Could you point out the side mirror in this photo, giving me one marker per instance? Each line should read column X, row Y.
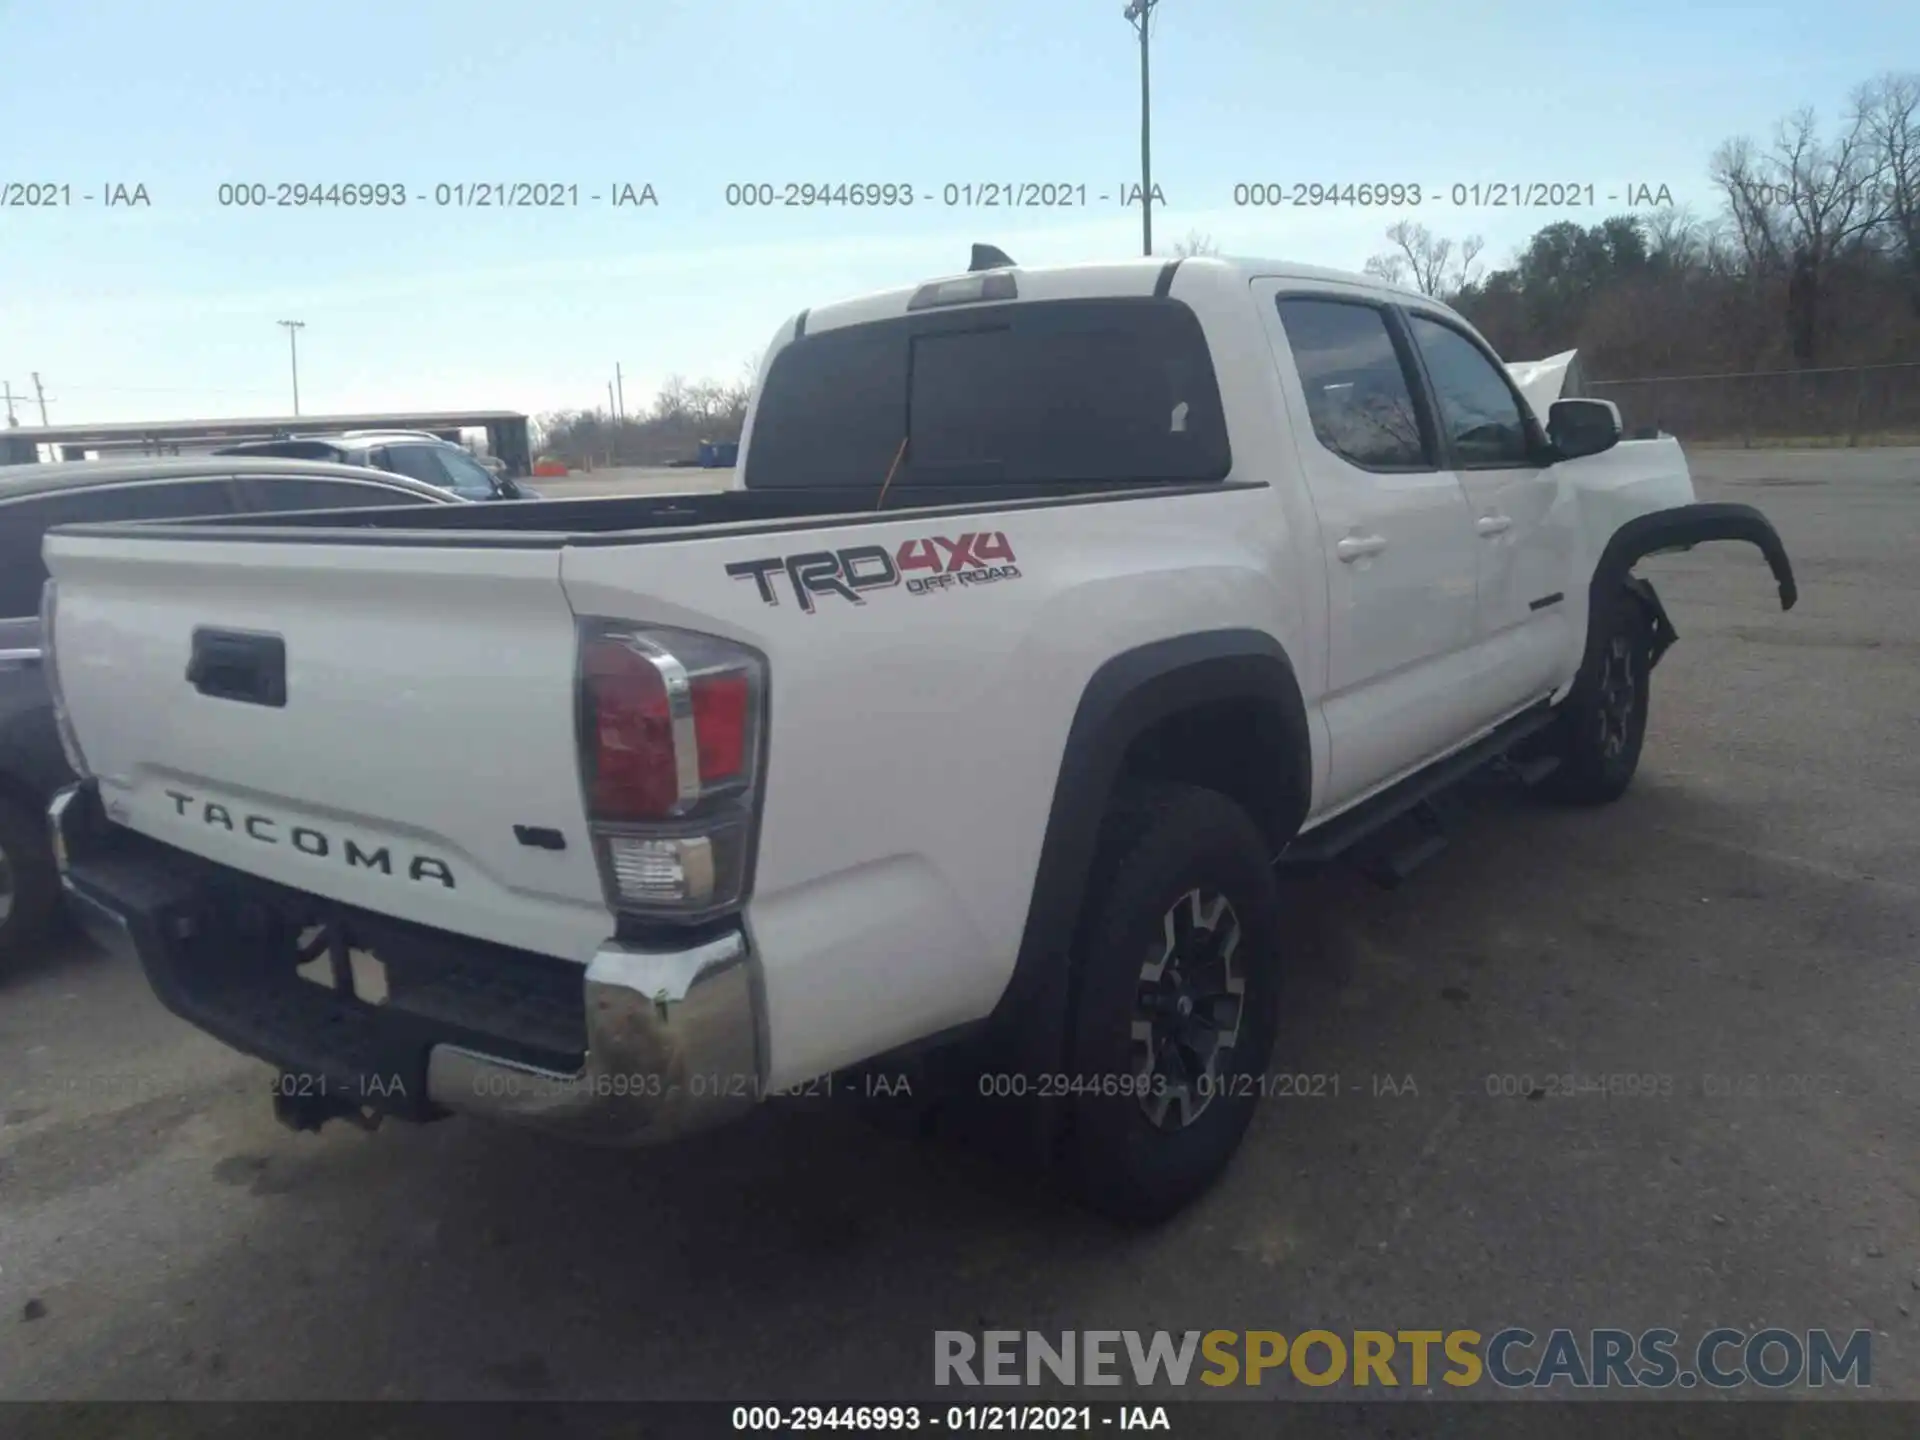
column 1583, row 427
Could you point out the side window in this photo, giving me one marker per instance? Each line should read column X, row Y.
column 1357, row 389
column 417, row 462
column 286, row 492
column 1478, row 409
column 470, row 479
column 24, row 524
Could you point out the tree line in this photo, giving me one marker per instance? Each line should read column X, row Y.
column 1812, row 261
column 683, row 414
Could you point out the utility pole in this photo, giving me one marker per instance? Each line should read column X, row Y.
column 620, row 388
column 12, row 422
column 1140, row 12
column 294, row 327
column 40, row 394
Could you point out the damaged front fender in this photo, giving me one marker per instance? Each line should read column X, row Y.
column 1681, row 528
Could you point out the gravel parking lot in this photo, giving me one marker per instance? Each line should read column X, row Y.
column 1749, row 910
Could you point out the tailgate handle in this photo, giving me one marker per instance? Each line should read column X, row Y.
column 239, row 665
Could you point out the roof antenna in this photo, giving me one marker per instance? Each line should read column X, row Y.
column 990, row 257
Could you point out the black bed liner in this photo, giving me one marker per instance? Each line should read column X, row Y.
column 634, row 519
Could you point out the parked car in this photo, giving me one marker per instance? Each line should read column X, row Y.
column 35, row 497
column 414, row 453
column 1051, row 611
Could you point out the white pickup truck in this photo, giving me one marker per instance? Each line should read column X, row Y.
column 1056, row 613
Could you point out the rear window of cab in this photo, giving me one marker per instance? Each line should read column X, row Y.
column 1101, row 393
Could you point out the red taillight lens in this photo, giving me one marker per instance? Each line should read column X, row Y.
column 670, row 737
column 720, row 714
column 634, row 775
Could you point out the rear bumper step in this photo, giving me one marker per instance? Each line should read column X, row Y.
column 643, row 1045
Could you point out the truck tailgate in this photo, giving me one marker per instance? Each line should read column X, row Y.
column 427, row 722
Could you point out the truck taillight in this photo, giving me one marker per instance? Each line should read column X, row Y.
column 62, row 722
column 670, row 725
column 721, row 714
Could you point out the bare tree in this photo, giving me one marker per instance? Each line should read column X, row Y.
column 1427, row 263
column 1889, row 108
column 674, row 399
column 1676, row 239
column 1467, row 271
column 1196, row 243
column 1800, row 209
column 1386, row 266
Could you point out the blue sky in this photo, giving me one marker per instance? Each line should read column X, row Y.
column 168, row 311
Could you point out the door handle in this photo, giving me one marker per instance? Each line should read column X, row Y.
column 1356, row 546
column 1493, row 524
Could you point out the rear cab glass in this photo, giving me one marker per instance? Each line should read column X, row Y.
column 1100, row 393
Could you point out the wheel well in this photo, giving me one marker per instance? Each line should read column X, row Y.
column 1241, row 747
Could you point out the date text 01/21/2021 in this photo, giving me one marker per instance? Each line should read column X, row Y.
column 368, row 1088
column 953, row 195
column 445, row 195
column 712, row 1085
column 1013, row 1085
column 1490, row 195
column 960, row 1418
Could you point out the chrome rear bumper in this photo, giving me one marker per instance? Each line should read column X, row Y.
column 672, row 1047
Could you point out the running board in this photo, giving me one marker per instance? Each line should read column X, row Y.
column 1391, row 867
column 1329, row 841
column 1531, row 772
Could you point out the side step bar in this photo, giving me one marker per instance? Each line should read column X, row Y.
column 1391, row 867
column 1330, row 841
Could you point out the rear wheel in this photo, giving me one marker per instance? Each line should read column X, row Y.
column 1604, row 722
column 1178, row 1001
column 29, row 883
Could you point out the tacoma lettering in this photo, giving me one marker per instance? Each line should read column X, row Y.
column 309, row 841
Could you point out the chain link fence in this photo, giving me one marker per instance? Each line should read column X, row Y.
column 1852, row 405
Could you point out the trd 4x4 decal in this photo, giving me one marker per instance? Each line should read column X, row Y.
column 924, row 567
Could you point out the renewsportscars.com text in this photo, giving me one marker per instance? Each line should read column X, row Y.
column 1512, row 1358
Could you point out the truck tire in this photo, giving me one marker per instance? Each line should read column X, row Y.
column 29, row 883
column 1177, row 1001
column 1603, row 723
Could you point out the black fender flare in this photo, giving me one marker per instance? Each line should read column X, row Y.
column 1125, row 697
column 1680, row 527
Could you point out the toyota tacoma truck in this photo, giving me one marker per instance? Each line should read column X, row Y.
column 1054, row 617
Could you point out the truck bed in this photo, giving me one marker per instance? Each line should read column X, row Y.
column 619, row 518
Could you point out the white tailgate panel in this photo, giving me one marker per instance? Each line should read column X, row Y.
column 429, row 711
